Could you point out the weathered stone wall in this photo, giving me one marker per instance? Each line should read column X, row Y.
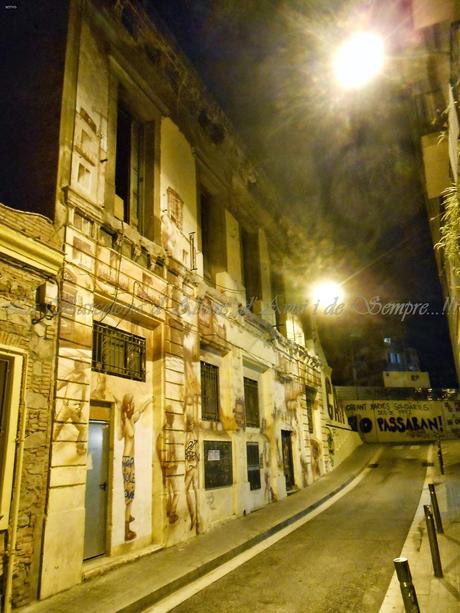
column 17, row 309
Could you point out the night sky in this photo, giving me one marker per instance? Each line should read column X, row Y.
column 344, row 163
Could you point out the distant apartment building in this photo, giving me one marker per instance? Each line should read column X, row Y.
column 379, row 360
column 156, row 391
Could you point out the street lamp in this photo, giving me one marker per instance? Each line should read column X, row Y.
column 359, row 59
column 326, row 293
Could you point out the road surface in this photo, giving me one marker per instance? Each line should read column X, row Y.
column 340, row 561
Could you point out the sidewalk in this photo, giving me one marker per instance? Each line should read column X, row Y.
column 434, row 594
column 139, row 584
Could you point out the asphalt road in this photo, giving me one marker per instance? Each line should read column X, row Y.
column 340, row 561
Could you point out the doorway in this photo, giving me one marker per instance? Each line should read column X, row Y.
column 287, row 459
column 97, row 478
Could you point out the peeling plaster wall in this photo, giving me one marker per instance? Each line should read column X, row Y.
column 177, row 174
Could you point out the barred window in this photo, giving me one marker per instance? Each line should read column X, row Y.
column 251, row 402
column 209, row 391
column 119, row 353
column 252, row 454
column 310, row 394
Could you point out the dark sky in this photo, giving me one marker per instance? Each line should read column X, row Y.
column 344, row 163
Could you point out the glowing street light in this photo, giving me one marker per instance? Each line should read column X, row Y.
column 326, row 293
column 359, row 59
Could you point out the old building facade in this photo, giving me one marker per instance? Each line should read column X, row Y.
column 183, row 391
column 434, row 76
column 30, row 262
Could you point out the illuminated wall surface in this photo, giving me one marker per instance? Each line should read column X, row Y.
column 162, row 404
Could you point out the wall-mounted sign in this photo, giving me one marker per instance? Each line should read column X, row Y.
column 213, row 455
column 403, row 420
column 217, row 464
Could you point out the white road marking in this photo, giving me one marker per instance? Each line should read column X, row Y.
column 186, row 592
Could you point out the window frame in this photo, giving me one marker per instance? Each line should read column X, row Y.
column 253, row 467
column 139, row 157
column 9, row 423
column 129, row 340
column 143, row 108
column 249, row 384
column 207, row 415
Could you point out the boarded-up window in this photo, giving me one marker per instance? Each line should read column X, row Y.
column 209, row 391
column 252, row 453
column 217, row 464
column 251, row 402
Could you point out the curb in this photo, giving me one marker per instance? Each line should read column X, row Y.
column 140, row 605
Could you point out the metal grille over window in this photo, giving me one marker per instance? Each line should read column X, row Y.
column 310, row 394
column 209, row 391
column 252, row 452
column 251, row 402
column 118, row 353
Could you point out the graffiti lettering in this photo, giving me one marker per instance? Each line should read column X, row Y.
column 401, row 424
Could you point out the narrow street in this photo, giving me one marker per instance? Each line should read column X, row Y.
column 339, row 561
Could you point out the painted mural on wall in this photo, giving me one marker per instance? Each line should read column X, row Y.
column 192, row 396
column 191, row 365
column 169, row 462
column 387, row 421
column 292, row 391
column 316, row 453
column 132, row 446
column 192, row 459
column 129, row 416
column 73, row 390
column 239, row 413
column 330, row 444
column 209, row 322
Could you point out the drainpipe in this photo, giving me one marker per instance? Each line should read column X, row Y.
column 11, row 548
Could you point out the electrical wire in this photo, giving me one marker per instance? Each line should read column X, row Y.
column 176, row 315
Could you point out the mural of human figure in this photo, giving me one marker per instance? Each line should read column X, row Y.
column 192, row 458
column 315, row 446
column 75, row 396
column 129, row 416
column 166, row 447
column 192, row 386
